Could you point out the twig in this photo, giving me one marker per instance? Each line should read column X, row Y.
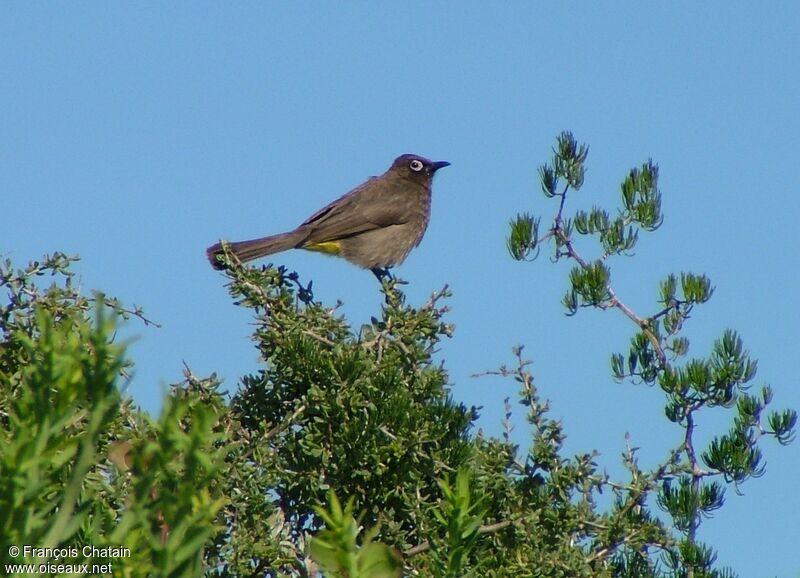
column 285, row 423
column 614, row 300
column 486, row 529
column 319, row 338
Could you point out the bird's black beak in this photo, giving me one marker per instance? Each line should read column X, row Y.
column 435, row 166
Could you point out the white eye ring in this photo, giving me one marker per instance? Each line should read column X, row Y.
column 416, row 165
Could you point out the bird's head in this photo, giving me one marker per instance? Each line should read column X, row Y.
column 416, row 168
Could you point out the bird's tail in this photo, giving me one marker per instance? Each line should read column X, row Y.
column 249, row 250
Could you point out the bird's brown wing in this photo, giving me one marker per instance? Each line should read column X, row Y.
column 376, row 203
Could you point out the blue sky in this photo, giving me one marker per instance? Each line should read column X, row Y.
column 137, row 134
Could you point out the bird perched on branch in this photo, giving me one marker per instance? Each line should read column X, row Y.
column 374, row 226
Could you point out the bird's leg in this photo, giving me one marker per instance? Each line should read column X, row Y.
column 381, row 273
column 387, row 281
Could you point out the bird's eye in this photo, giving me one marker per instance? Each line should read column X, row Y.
column 416, row 165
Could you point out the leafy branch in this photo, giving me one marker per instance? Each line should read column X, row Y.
column 687, row 490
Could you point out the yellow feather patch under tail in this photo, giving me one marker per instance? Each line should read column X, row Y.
column 329, row 247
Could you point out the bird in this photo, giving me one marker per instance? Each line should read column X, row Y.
column 374, row 226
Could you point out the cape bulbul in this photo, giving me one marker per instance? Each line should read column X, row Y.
column 374, row 226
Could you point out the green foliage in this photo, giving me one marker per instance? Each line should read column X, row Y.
column 170, row 485
column 64, row 399
column 337, row 553
column 364, row 413
column 461, row 515
column 524, row 236
column 78, row 467
column 688, row 483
